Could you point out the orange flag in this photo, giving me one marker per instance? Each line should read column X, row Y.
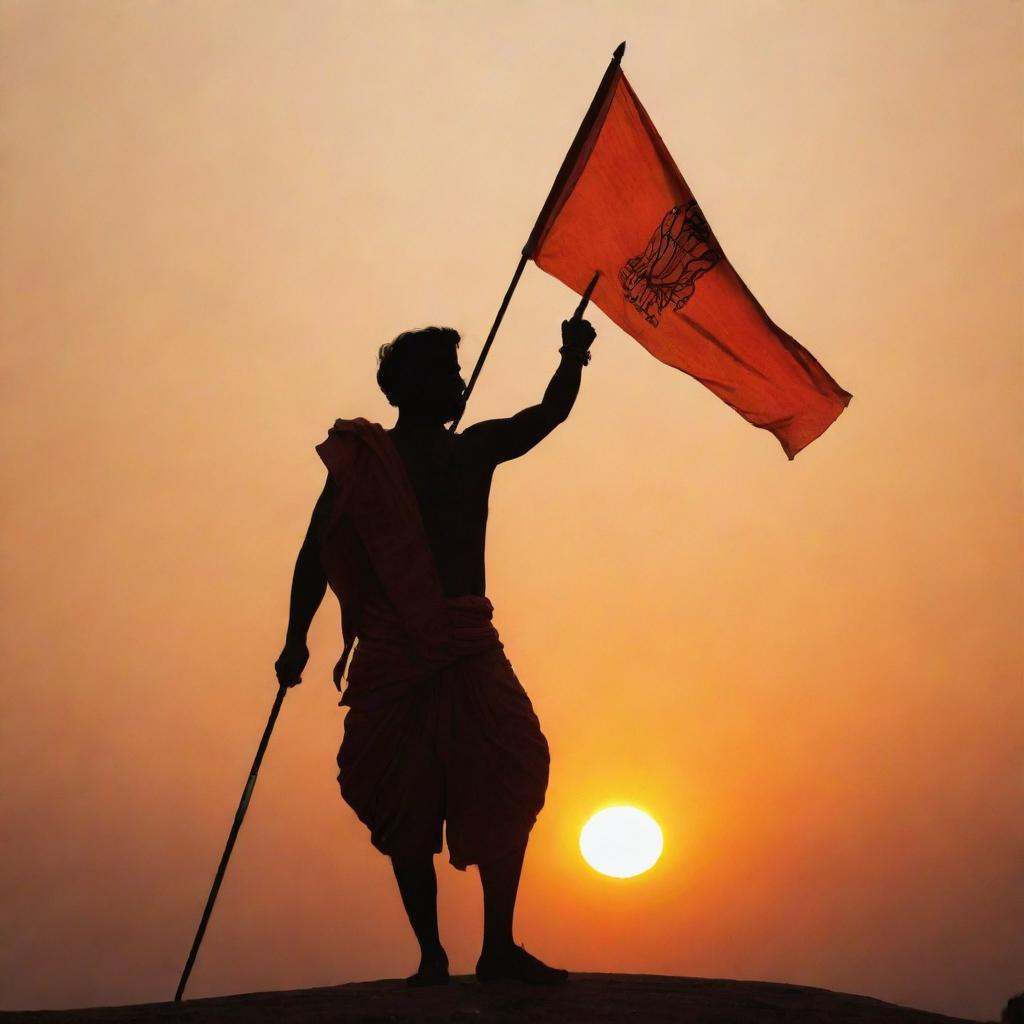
column 620, row 206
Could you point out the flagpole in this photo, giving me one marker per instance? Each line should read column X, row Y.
column 569, row 163
column 490, row 337
column 547, row 211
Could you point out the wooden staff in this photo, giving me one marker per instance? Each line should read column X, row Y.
column 232, row 836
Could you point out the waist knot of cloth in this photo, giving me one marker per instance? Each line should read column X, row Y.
column 386, row 662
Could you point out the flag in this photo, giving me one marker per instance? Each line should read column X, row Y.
column 620, row 206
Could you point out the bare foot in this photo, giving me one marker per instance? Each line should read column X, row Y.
column 515, row 964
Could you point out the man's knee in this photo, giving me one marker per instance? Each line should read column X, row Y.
column 410, row 860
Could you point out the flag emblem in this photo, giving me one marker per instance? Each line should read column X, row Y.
column 680, row 251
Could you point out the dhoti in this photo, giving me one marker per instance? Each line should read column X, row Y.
column 456, row 741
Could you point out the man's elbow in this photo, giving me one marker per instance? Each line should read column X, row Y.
column 555, row 413
column 309, row 552
column 560, row 414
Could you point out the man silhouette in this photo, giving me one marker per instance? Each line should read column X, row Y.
column 438, row 728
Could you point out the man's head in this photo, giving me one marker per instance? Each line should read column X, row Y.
column 419, row 373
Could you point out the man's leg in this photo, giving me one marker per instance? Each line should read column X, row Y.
column 501, row 959
column 500, row 881
column 418, row 885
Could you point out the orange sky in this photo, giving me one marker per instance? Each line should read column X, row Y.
column 211, row 215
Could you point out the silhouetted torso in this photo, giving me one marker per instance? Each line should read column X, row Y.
column 451, row 475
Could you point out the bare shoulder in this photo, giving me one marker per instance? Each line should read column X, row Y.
column 501, row 440
column 483, row 430
column 479, row 438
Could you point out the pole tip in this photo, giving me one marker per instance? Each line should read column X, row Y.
column 619, row 51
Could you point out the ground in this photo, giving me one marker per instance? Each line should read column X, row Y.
column 586, row 999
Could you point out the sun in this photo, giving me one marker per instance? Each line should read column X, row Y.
column 621, row 842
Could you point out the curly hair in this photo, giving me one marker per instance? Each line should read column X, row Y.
column 400, row 360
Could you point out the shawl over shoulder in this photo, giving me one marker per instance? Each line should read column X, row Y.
column 375, row 525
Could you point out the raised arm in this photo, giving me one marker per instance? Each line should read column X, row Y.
column 504, row 439
column 309, row 584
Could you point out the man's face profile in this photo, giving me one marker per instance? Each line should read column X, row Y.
column 434, row 387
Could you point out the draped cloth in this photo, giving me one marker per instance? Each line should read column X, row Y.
column 439, row 729
column 374, row 538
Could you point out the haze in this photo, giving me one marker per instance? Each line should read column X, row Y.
column 809, row 672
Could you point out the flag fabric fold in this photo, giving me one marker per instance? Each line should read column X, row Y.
column 621, row 206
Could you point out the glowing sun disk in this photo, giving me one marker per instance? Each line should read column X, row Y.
column 621, row 842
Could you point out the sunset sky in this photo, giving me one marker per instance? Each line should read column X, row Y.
column 212, row 213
